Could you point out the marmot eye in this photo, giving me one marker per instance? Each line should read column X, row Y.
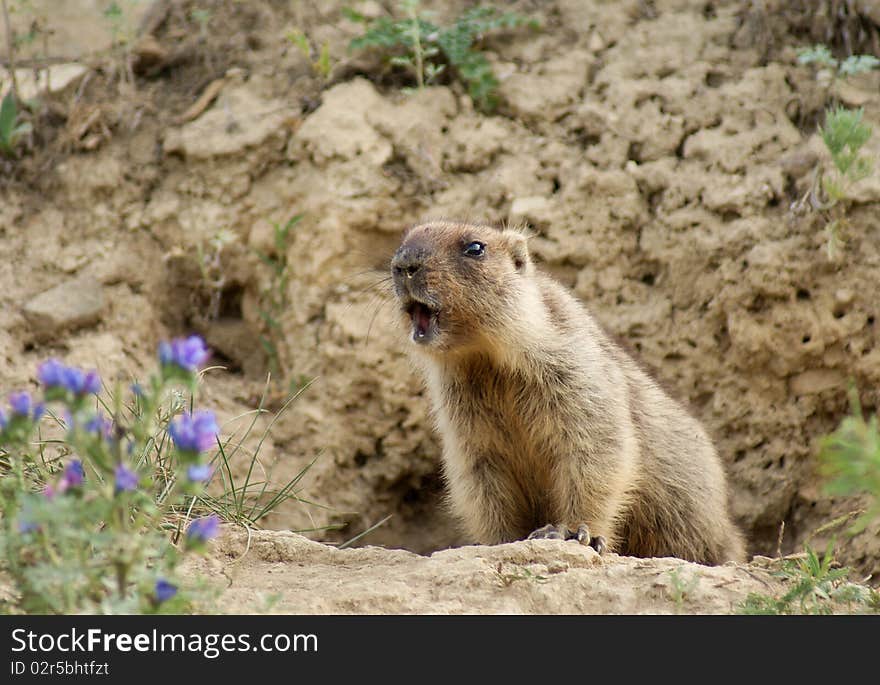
column 475, row 249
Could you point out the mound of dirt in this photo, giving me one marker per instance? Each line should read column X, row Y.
column 285, row 573
column 654, row 149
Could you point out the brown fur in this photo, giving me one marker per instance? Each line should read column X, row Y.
column 544, row 419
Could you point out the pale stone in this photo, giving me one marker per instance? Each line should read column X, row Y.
column 70, row 305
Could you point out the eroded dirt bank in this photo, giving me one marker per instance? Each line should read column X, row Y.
column 281, row 572
column 653, row 148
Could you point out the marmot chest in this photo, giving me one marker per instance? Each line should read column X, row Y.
column 507, row 418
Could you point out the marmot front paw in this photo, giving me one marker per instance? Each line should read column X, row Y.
column 563, row 532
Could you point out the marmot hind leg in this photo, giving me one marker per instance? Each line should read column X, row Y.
column 562, row 532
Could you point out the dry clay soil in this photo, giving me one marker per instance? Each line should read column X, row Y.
column 654, row 150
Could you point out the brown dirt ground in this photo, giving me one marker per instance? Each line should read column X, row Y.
column 654, row 148
column 285, row 573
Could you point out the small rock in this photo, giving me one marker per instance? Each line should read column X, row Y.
column 610, row 279
column 148, row 54
column 239, row 119
column 371, row 9
column 74, row 304
column 524, row 209
column 843, row 296
column 596, row 42
column 855, row 94
column 558, row 80
column 339, row 128
column 815, row 381
column 799, row 163
column 52, row 79
column 262, row 238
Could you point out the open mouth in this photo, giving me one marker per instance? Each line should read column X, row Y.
column 424, row 321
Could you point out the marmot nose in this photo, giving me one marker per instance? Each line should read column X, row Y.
column 407, row 262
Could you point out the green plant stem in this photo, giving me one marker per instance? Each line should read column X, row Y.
column 10, row 52
column 417, row 43
column 121, row 578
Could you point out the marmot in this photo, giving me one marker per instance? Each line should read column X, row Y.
column 549, row 428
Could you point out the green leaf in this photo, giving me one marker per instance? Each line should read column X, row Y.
column 201, row 16
column 858, row 64
column 113, row 12
column 832, row 189
column 298, row 38
column 353, row 15
column 282, row 233
column 455, row 41
column 8, row 115
column 844, row 135
column 850, row 458
column 861, row 168
column 323, row 64
column 432, row 71
column 818, row 54
column 834, row 241
column 292, row 221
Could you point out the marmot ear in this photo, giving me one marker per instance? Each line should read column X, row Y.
column 519, row 250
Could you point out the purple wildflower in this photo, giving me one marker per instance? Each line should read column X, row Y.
column 166, row 353
column 53, row 374
column 126, row 479
column 50, row 373
column 199, row 473
column 194, row 433
column 99, row 424
column 73, row 476
column 20, row 403
column 187, row 353
column 25, row 526
column 91, row 384
column 203, row 529
column 75, row 473
column 22, row 407
column 164, row 590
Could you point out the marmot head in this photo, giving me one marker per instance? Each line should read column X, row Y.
column 458, row 284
